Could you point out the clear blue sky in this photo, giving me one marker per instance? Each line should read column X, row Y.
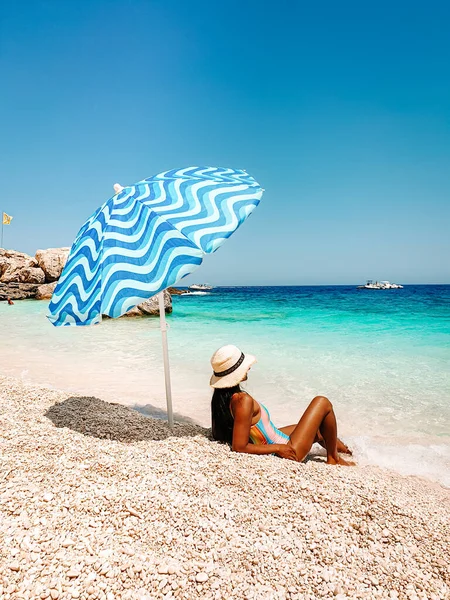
column 341, row 110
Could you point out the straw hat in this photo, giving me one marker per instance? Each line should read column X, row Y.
column 230, row 366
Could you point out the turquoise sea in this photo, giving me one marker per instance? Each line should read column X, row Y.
column 382, row 357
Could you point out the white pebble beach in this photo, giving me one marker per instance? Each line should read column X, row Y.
column 100, row 502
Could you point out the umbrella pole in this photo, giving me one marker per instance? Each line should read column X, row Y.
column 162, row 320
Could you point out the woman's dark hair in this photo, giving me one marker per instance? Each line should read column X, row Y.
column 221, row 417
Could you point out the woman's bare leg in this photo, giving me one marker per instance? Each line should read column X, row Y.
column 319, row 416
column 341, row 447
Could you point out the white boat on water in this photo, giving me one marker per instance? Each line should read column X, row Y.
column 200, row 287
column 380, row 285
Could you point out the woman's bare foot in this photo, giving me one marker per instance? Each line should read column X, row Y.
column 340, row 461
column 341, row 447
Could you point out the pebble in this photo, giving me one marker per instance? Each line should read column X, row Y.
column 325, row 575
column 163, row 583
column 201, row 577
column 73, row 573
column 163, row 569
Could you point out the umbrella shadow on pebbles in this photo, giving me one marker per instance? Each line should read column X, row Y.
column 97, row 418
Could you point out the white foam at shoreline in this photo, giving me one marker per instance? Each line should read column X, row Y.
column 431, row 462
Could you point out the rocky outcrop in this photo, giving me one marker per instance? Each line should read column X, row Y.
column 52, row 262
column 18, row 291
column 151, row 306
column 133, row 312
column 23, row 276
column 31, row 275
column 44, row 292
column 18, row 267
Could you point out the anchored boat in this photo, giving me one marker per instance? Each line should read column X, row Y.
column 380, row 285
column 200, row 287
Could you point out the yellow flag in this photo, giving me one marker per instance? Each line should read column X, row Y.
column 7, row 219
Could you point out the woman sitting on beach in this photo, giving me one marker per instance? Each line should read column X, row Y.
column 239, row 420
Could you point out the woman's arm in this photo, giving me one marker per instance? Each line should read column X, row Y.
column 242, row 408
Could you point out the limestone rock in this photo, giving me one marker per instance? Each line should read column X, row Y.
column 31, row 275
column 175, row 291
column 44, row 292
column 18, row 291
column 12, row 263
column 133, row 312
column 151, row 306
column 52, row 262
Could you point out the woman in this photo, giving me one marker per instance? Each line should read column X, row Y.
column 239, row 420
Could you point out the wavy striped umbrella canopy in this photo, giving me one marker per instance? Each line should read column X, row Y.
column 147, row 237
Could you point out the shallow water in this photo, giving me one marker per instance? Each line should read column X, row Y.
column 382, row 357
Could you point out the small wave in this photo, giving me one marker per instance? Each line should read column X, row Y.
column 197, row 294
column 429, row 461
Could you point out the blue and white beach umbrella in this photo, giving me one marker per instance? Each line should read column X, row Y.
column 146, row 238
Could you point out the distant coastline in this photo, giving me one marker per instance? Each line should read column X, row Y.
column 219, row 285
